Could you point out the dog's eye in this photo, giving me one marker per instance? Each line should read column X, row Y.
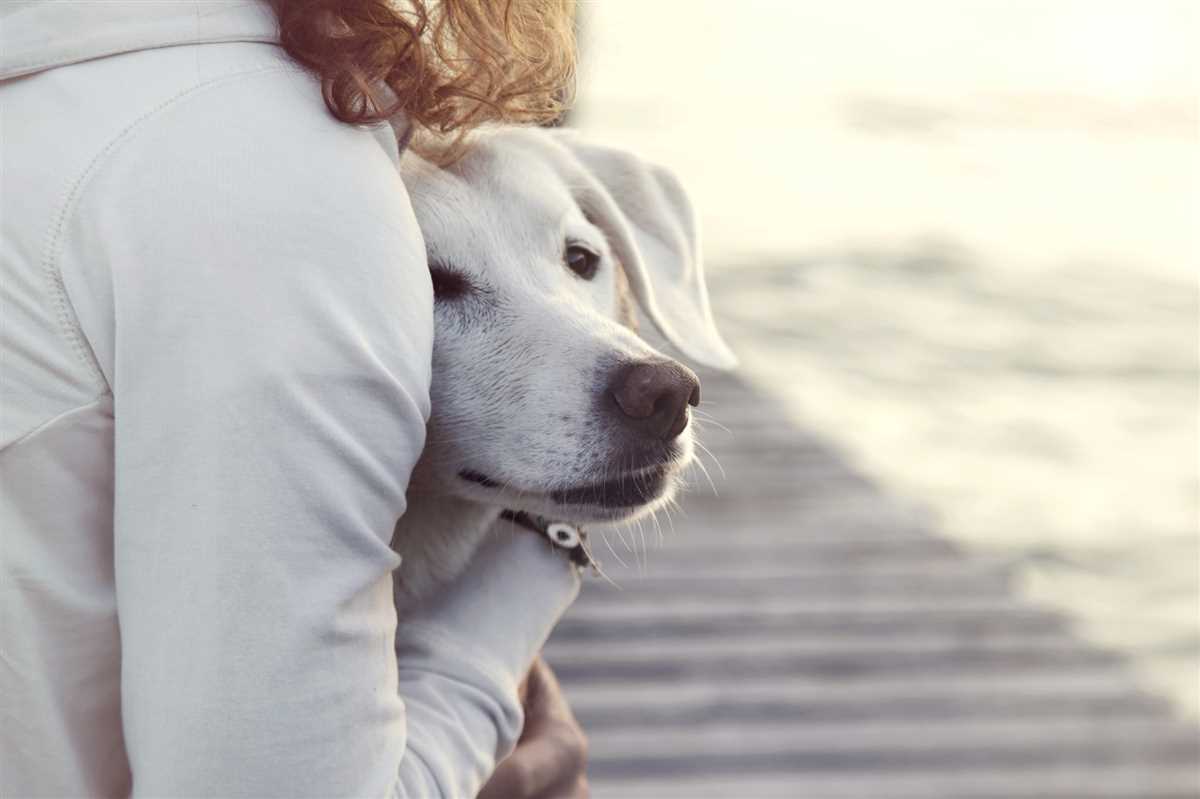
column 581, row 261
column 448, row 284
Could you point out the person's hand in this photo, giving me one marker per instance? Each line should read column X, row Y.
column 550, row 759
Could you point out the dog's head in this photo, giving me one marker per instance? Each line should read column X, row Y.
column 544, row 397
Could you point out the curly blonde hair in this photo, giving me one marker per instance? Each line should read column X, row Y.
column 447, row 66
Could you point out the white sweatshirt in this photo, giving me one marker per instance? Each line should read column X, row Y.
column 216, row 324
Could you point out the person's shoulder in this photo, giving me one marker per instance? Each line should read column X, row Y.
column 239, row 214
column 245, row 125
column 246, row 191
column 256, row 147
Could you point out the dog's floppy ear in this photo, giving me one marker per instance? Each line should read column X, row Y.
column 651, row 227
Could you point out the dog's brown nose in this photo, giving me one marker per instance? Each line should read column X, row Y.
column 653, row 397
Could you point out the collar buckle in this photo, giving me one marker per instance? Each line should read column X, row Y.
column 568, row 537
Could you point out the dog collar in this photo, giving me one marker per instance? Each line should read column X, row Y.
column 568, row 537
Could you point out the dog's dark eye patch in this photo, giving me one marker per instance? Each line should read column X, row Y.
column 448, row 283
column 581, row 260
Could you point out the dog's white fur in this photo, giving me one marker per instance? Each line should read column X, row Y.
column 521, row 359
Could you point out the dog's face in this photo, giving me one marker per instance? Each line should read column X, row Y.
column 544, row 399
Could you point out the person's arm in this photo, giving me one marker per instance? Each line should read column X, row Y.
column 465, row 632
column 269, row 357
column 551, row 757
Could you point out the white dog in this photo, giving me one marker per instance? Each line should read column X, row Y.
column 544, row 399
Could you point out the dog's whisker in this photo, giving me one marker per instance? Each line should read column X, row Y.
column 706, row 420
column 700, row 464
column 627, row 527
column 657, row 526
column 608, row 544
column 620, row 535
column 639, row 484
column 642, row 535
column 667, row 508
column 710, row 454
column 601, row 573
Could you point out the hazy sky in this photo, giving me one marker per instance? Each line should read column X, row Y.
column 1034, row 131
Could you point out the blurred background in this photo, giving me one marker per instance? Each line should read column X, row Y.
column 955, row 243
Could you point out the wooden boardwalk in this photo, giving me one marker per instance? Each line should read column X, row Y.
column 801, row 635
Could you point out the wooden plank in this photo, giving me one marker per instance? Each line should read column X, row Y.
column 639, row 620
column 1042, row 782
column 878, row 742
column 1093, row 691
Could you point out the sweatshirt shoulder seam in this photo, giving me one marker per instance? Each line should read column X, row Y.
column 55, row 233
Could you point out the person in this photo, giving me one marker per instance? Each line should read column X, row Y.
column 216, row 364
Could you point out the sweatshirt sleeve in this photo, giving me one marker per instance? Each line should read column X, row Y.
column 268, row 348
